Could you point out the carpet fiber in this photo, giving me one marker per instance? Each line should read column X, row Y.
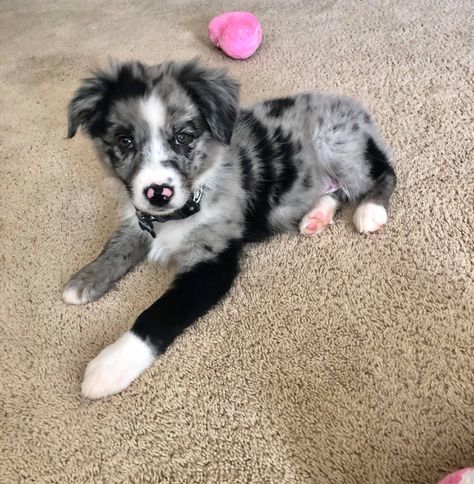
column 342, row 359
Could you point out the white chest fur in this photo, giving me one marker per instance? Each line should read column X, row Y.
column 170, row 237
column 178, row 236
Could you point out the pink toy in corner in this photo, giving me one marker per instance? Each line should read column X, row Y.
column 237, row 34
column 462, row 476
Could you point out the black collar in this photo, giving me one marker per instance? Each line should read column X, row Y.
column 192, row 206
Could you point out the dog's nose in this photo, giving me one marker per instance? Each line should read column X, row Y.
column 158, row 195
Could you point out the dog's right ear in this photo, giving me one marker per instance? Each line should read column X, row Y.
column 90, row 103
column 84, row 107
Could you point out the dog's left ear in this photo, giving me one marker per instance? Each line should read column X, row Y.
column 215, row 94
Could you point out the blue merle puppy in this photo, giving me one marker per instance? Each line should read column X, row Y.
column 203, row 178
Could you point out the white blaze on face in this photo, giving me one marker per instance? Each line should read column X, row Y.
column 154, row 113
column 153, row 170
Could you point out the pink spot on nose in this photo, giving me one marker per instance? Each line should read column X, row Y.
column 167, row 192
column 150, row 193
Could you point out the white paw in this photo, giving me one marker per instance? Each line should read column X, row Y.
column 369, row 217
column 74, row 295
column 116, row 366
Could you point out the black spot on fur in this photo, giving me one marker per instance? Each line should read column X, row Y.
column 247, row 172
column 307, row 181
column 257, row 213
column 191, row 296
column 285, row 151
column 355, row 127
column 276, row 107
column 276, row 157
column 127, row 84
column 207, row 248
column 377, row 159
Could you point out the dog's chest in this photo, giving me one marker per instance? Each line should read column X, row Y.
column 170, row 238
column 181, row 236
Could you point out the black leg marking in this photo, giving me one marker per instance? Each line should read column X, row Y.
column 377, row 159
column 383, row 174
column 191, row 295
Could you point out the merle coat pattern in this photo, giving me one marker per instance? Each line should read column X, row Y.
column 280, row 165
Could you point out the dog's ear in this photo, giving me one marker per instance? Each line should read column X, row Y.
column 92, row 100
column 84, row 106
column 215, row 94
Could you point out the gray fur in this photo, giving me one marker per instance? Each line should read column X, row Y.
column 126, row 247
column 327, row 136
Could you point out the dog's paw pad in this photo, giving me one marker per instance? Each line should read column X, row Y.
column 116, row 366
column 369, row 217
column 314, row 222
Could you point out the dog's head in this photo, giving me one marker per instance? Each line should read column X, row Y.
column 158, row 127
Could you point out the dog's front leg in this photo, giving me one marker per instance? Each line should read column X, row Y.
column 127, row 246
column 191, row 295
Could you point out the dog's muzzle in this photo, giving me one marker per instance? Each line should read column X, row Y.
column 191, row 207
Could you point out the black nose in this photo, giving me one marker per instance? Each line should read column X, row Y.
column 158, row 195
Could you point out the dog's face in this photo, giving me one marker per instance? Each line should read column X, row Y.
column 157, row 127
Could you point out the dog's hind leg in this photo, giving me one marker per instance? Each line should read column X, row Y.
column 316, row 220
column 371, row 212
column 127, row 246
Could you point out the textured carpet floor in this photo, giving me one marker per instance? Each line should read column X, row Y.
column 345, row 359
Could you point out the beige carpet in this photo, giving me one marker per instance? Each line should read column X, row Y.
column 344, row 359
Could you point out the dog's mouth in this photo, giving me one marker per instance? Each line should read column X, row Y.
column 153, row 211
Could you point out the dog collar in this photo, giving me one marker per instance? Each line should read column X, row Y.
column 192, row 206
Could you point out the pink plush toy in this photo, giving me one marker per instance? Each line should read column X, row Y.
column 238, row 34
column 462, row 476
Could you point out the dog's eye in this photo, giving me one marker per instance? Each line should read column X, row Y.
column 182, row 139
column 126, row 142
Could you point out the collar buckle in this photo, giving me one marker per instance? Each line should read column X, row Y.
column 197, row 195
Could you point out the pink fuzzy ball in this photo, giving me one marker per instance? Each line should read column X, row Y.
column 238, row 34
column 462, row 476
